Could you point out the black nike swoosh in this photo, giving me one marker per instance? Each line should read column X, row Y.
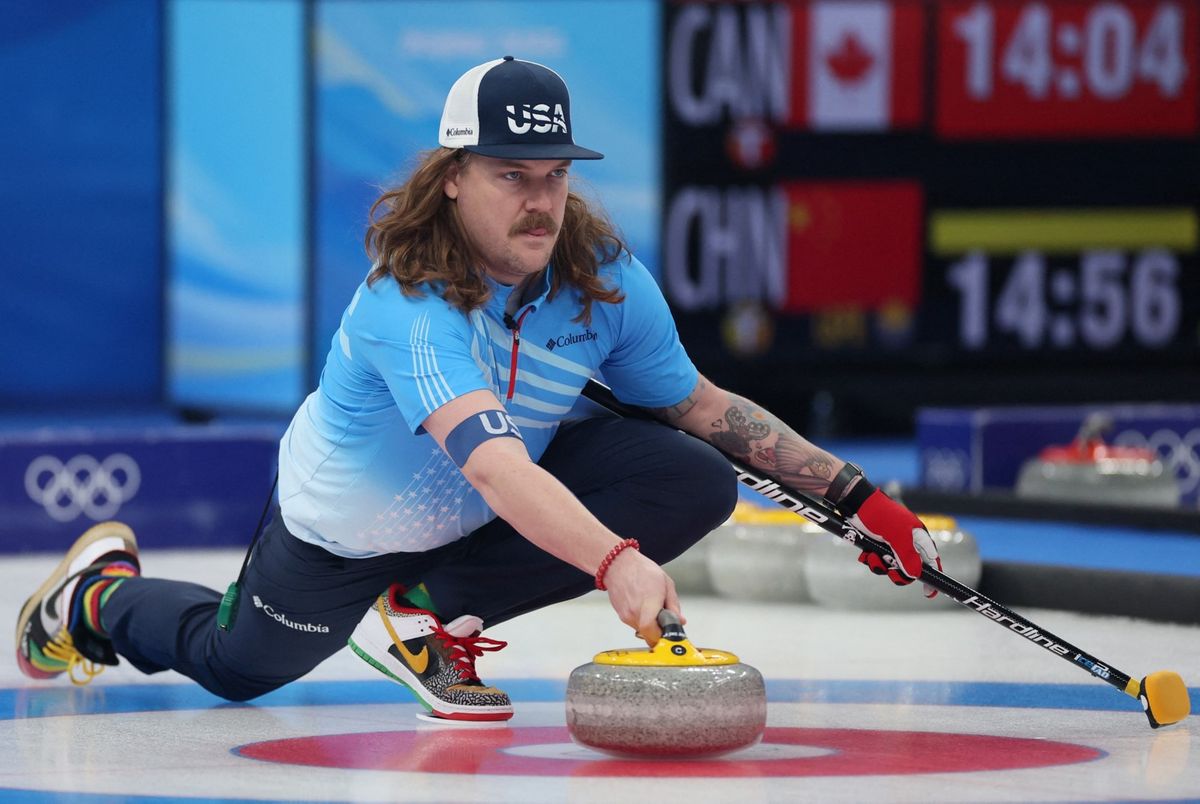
column 430, row 669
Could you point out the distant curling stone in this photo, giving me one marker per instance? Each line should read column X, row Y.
column 1090, row 472
column 759, row 554
column 836, row 579
column 675, row 701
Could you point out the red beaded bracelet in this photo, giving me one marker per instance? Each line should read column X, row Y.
column 608, row 560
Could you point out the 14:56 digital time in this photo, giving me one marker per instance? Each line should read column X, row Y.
column 1103, row 300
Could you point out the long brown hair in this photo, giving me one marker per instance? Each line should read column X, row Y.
column 415, row 236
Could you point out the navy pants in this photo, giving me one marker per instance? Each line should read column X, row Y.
column 300, row 603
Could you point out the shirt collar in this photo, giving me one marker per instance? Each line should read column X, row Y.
column 533, row 293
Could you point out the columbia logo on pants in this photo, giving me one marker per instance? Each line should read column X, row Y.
column 283, row 618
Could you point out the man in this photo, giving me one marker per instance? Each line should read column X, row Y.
column 442, row 476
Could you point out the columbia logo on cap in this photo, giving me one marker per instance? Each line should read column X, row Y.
column 511, row 109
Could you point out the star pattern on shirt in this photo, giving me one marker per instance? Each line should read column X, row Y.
column 420, row 514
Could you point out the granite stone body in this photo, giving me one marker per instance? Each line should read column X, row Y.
column 1143, row 484
column 666, row 711
column 761, row 561
column 836, row 579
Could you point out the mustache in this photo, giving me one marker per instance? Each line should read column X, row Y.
column 538, row 220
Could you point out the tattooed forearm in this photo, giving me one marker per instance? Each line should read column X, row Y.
column 680, row 409
column 740, row 423
column 729, row 442
column 802, row 464
column 748, row 432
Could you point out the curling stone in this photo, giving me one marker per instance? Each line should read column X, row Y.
column 672, row 701
column 836, row 579
column 760, row 555
column 1090, row 472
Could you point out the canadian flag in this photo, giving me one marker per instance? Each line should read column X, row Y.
column 856, row 65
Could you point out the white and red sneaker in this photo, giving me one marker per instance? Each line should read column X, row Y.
column 412, row 647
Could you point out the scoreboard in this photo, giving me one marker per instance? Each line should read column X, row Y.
column 978, row 187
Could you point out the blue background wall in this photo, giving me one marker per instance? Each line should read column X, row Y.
column 184, row 185
column 80, row 204
column 237, row 201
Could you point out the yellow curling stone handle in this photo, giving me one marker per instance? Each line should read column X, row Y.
column 673, row 650
column 752, row 514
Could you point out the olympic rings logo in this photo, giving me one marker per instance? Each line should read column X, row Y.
column 1178, row 451
column 82, row 485
column 945, row 469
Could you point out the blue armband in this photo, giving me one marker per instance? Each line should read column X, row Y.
column 474, row 430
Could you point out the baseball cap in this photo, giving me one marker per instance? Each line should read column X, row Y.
column 511, row 109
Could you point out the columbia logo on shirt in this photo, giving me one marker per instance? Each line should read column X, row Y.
column 572, row 338
column 537, row 117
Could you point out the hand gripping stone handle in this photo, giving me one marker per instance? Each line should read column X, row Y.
column 1163, row 695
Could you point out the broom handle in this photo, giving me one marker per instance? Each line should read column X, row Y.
column 827, row 518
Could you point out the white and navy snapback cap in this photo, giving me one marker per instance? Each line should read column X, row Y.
column 511, row 109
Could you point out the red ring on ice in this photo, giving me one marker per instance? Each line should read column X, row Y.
column 853, row 752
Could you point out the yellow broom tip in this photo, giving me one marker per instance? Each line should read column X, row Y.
column 1164, row 696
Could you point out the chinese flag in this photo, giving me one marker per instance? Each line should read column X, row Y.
column 853, row 244
column 857, row 65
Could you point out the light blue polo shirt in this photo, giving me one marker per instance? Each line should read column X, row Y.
column 358, row 474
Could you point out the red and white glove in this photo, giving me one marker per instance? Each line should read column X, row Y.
column 905, row 539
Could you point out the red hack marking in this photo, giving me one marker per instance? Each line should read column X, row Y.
column 855, row 753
